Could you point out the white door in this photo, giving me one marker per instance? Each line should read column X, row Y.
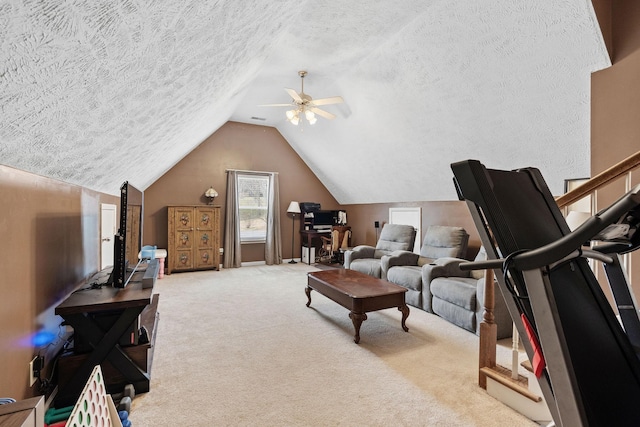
column 409, row 216
column 108, row 230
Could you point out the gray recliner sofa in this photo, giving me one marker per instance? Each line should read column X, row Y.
column 441, row 288
column 406, row 268
column 367, row 259
column 458, row 296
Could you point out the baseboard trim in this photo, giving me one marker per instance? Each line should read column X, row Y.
column 252, row 263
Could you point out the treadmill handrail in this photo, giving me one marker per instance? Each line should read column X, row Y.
column 561, row 248
column 557, row 250
column 499, row 263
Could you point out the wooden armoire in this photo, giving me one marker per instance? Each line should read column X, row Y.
column 194, row 238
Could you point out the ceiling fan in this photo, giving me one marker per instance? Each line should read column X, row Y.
column 305, row 105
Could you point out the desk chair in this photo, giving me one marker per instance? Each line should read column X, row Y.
column 331, row 245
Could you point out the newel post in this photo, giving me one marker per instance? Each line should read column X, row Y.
column 488, row 330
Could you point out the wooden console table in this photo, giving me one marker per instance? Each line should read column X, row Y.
column 120, row 364
column 24, row 413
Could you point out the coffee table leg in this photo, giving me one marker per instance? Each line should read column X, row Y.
column 405, row 313
column 357, row 319
column 307, row 291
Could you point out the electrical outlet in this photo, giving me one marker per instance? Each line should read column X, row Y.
column 35, row 366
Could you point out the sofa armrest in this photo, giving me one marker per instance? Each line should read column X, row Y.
column 443, row 267
column 361, row 251
column 398, row 258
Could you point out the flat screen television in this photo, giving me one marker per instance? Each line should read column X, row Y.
column 128, row 240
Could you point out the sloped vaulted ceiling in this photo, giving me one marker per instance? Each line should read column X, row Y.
column 98, row 92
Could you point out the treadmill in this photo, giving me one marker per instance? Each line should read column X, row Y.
column 586, row 359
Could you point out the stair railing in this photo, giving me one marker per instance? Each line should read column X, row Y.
column 596, row 183
column 623, row 169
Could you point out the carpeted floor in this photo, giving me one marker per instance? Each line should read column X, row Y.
column 239, row 347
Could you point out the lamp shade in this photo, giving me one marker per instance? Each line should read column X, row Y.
column 211, row 193
column 294, row 207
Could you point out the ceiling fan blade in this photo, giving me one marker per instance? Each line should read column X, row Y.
column 293, row 94
column 322, row 113
column 327, row 101
column 276, row 105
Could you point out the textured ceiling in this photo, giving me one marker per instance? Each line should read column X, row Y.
column 86, row 84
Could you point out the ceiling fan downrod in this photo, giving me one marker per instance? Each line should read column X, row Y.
column 302, row 74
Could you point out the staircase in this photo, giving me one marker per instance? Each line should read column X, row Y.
column 521, row 393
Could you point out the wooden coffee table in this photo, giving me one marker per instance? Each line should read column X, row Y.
column 357, row 292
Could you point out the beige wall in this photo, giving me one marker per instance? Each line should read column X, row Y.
column 615, row 104
column 50, row 234
column 253, row 147
column 454, row 213
column 234, row 146
column 615, row 108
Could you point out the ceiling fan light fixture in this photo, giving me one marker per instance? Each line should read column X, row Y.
column 294, row 119
column 290, row 114
column 309, row 115
column 303, row 104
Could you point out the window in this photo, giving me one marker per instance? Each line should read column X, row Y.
column 253, row 206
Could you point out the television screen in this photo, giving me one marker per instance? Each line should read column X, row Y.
column 128, row 241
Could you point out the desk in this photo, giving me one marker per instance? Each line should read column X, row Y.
column 126, row 305
column 310, row 235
